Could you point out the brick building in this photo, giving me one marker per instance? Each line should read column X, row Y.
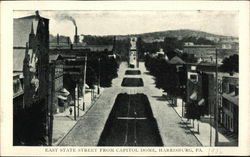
column 60, row 96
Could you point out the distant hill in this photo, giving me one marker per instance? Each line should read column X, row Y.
column 180, row 34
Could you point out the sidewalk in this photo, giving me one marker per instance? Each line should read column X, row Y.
column 88, row 129
column 205, row 129
column 64, row 122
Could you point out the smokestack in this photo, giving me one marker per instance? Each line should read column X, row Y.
column 76, row 30
column 76, row 37
column 57, row 39
column 68, row 41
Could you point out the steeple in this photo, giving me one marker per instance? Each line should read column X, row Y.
column 31, row 37
column 32, row 29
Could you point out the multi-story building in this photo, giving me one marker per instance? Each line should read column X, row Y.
column 200, row 86
column 230, row 103
column 31, row 40
column 204, row 53
column 60, row 96
column 133, row 56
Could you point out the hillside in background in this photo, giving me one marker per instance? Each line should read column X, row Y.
column 150, row 37
column 180, row 33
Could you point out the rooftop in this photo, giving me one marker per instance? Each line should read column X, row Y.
column 22, row 28
column 176, row 60
column 224, row 74
column 199, row 46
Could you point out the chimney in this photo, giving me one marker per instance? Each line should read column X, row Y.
column 114, row 42
column 76, row 30
column 37, row 14
column 76, row 37
column 57, row 39
column 68, row 41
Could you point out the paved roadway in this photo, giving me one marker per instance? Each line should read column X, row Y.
column 131, row 123
column 89, row 128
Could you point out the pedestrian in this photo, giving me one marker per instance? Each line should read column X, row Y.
column 70, row 111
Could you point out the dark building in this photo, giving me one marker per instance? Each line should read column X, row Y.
column 230, row 103
column 31, row 40
column 200, row 86
column 60, row 96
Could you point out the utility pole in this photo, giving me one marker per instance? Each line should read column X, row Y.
column 210, row 122
column 84, row 81
column 99, row 75
column 216, row 102
column 51, row 116
column 75, row 97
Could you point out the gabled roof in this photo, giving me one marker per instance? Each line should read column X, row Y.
column 176, row 60
column 54, row 57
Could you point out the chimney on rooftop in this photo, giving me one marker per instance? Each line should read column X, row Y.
column 57, row 39
column 37, row 14
column 68, row 41
column 76, row 37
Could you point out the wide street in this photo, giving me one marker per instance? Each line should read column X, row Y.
column 142, row 117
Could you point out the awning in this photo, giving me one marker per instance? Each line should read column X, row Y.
column 65, row 92
column 193, row 96
column 62, row 97
column 201, row 102
column 86, row 86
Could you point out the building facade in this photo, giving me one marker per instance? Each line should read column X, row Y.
column 230, row 104
column 31, row 39
column 203, row 53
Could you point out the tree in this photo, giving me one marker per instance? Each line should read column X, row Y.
column 139, row 45
column 230, row 64
column 169, row 46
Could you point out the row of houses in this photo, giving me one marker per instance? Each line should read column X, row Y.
column 207, row 53
column 198, row 83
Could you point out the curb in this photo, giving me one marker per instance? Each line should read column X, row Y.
column 187, row 126
column 61, row 139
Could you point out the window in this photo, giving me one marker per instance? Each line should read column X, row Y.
column 193, row 67
column 193, row 77
column 231, row 88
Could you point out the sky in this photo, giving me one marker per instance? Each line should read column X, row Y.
column 135, row 22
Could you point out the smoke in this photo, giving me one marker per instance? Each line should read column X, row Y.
column 66, row 17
